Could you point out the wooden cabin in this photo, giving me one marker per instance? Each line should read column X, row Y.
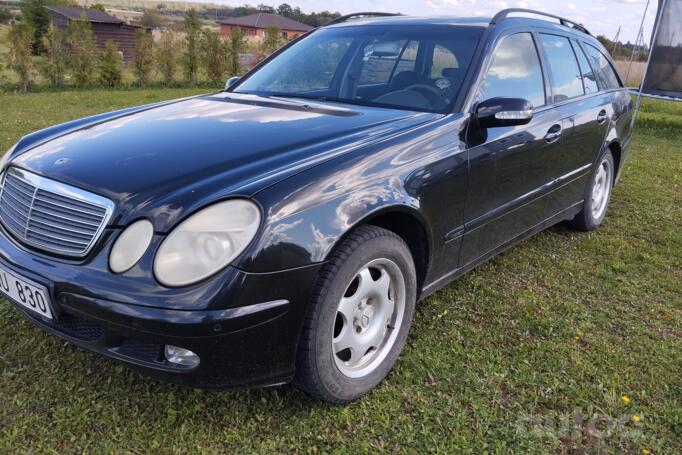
column 105, row 27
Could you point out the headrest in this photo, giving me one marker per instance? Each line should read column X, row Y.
column 450, row 72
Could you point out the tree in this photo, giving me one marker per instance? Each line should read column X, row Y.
column 151, row 19
column 110, row 73
column 265, row 8
column 55, row 60
column 237, row 45
column 39, row 17
column 82, row 50
column 285, row 10
column 166, row 59
column 144, row 57
column 20, row 44
column 272, row 39
column 191, row 57
column 98, row 6
column 214, row 55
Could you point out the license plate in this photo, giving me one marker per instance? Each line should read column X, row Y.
column 26, row 293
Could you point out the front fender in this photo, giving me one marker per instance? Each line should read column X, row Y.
column 306, row 216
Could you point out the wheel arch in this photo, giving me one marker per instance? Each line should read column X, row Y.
column 409, row 224
column 616, row 151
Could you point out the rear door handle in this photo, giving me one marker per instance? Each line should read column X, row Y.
column 602, row 117
column 553, row 134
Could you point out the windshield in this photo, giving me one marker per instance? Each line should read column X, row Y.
column 414, row 68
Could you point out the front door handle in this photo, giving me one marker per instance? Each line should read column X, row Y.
column 553, row 134
column 602, row 117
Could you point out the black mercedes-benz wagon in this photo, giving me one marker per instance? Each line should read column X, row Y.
column 284, row 228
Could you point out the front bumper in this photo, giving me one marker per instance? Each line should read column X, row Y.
column 244, row 326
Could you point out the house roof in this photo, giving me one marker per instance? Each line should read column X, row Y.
column 92, row 15
column 265, row 20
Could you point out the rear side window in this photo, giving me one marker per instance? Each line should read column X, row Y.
column 589, row 79
column 601, row 64
column 566, row 79
column 515, row 71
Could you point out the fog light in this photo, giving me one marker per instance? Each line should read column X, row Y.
column 181, row 356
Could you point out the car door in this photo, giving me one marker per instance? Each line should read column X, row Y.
column 510, row 167
column 580, row 107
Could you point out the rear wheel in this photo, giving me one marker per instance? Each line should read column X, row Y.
column 597, row 195
column 359, row 318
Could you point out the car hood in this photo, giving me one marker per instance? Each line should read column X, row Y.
column 165, row 160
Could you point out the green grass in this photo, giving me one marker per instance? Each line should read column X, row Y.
column 564, row 322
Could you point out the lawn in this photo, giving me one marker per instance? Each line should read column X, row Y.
column 567, row 343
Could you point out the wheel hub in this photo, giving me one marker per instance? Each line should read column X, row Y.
column 364, row 318
column 601, row 189
column 368, row 316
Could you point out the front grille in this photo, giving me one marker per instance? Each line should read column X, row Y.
column 52, row 216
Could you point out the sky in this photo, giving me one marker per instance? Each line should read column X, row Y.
column 601, row 17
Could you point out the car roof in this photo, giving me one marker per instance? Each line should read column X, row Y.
column 415, row 20
column 484, row 22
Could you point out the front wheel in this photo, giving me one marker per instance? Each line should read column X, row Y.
column 360, row 315
column 597, row 195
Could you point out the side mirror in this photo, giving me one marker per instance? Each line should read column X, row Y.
column 498, row 112
column 231, row 81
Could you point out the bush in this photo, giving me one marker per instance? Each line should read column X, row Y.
column 166, row 58
column 151, row 19
column 272, row 39
column 110, row 73
column 54, row 65
column 214, row 51
column 191, row 57
column 237, row 46
column 20, row 38
column 82, row 52
column 144, row 57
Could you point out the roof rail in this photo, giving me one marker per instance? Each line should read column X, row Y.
column 348, row 17
column 504, row 14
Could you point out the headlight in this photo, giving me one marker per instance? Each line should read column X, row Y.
column 130, row 246
column 206, row 242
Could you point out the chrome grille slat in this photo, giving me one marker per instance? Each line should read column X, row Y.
column 48, row 225
column 58, row 233
column 77, row 216
column 18, row 203
column 67, row 205
column 16, row 226
column 38, row 212
column 19, row 188
column 50, row 237
column 21, row 209
column 52, row 216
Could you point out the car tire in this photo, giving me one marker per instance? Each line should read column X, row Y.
column 597, row 194
column 364, row 298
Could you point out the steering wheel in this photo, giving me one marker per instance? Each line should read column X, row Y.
column 434, row 96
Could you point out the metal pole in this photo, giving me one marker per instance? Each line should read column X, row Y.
column 654, row 35
column 641, row 32
column 635, row 52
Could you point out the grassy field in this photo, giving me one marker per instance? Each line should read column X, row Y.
column 568, row 343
